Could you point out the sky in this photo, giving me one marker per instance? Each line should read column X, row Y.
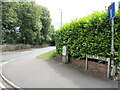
column 73, row 8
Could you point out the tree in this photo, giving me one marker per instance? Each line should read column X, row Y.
column 46, row 22
column 51, row 35
column 9, row 21
column 25, row 22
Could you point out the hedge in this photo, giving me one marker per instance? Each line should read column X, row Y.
column 89, row 35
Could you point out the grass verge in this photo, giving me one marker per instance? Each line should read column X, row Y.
column 50, row 54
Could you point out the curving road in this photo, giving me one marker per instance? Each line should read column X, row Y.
column 25, row 71
column 6, row 56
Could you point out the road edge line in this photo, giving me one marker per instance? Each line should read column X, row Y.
column 9, row 82
column 2, row 86
column 4, row 78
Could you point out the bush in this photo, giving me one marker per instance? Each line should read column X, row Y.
column 89, row 35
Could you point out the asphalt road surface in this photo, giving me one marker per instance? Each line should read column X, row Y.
column 7, row 56
column 26, row 71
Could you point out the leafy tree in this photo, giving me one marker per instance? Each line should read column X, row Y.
column 30, row 24
column 51, row 35
column 46, row 21
column 25, row 22
column 9, row 21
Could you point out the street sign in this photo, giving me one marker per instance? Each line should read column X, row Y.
column 111, row 15
column 111, row 11
column 99, row 58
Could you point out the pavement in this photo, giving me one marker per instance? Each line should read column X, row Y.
column 29, row 72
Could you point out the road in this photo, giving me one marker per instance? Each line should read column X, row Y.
column 5, row 56
column 26, row 71
column 8, row 56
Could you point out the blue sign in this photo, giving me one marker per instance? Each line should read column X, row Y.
column 111, row 11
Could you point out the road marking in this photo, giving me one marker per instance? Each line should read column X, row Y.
column 2, row 86
column 12, row 84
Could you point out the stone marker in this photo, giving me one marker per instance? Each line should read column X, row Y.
column 65, row 54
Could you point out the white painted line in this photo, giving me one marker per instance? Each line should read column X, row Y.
column 9, row 82
column 2, row 86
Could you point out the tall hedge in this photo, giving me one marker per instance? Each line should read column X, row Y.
column 89, row 35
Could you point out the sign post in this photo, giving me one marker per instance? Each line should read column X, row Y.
column 111, row 15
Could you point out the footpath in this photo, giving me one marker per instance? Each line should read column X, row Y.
column 29, row 72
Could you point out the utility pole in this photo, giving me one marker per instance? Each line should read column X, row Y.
column 61, row 15
column 119, row 5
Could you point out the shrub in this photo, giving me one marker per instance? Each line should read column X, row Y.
column 89, row 35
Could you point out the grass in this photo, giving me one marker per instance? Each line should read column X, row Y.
column 50, row 54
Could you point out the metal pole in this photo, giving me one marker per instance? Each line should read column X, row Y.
column 112, row 49
column 61, row 15
column 112, row 41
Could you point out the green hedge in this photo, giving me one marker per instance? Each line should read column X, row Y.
column 91, row 35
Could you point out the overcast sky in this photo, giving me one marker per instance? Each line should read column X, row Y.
column 73, row 8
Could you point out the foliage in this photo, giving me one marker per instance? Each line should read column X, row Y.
column 25, row 22
column 30, row 24
column 46, row 21
column 89, row 35
column 51, row 35
column 9, row 21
